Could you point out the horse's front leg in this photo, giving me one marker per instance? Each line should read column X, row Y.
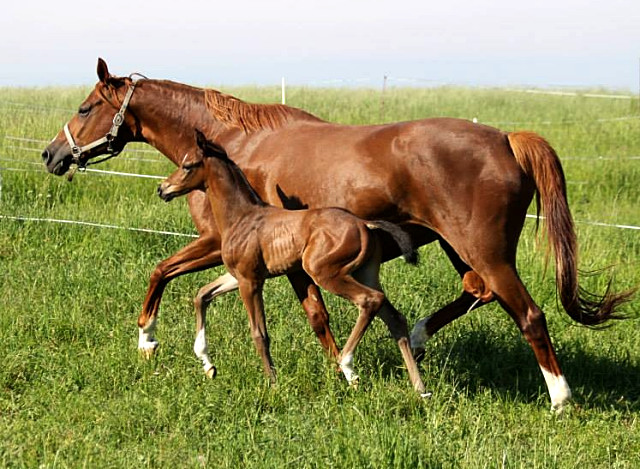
column 200, row 254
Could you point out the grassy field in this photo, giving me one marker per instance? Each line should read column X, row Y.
column 74, row 393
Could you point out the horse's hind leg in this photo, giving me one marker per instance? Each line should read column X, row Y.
column 515, row 299
column 317, row 315
column 205, row 296
column 425, row 328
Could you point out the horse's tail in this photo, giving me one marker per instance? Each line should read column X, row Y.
column 401, row 238
column 540, row 162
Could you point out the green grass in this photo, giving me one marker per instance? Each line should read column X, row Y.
column 74, row 393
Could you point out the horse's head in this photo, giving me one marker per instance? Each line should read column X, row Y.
column 192, row 173
column 100, row 126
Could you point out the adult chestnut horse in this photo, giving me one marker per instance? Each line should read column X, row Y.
column 464, row 184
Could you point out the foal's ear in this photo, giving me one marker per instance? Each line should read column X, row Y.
column 210, row 148
column 201, row 140
column 103, row 71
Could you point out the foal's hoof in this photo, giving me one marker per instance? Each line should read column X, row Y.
column 560, row 409
column 418, row 354
column 426, row 394
column 211, row 372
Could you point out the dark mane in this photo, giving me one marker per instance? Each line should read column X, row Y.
column 250, row 117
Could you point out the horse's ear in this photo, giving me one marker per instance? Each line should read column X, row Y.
column 103, row 71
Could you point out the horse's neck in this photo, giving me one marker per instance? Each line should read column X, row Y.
column 230, row 194
column 169, row 112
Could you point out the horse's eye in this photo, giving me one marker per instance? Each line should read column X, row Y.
column 84, row 111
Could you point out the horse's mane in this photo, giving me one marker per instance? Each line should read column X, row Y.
column 250, row 117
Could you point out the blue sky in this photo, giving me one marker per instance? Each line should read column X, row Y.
column 502, row 42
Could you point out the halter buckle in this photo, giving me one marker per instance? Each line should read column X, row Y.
column 118, row 119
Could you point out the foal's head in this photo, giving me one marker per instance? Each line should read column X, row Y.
column 191, row 174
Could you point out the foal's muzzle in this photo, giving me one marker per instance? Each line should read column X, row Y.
column 164, row 192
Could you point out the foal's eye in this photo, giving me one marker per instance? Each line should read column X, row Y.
column 84, row 110
column 188, row 167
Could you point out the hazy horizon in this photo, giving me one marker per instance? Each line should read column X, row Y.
column 554, row 44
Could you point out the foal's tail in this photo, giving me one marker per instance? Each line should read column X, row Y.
column 401, row 238
column 540, row 162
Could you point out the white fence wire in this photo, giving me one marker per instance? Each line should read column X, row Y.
column 337, row 82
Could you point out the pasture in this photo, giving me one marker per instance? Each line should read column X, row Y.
column 74, row 393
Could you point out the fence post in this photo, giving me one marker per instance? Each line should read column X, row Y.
column 283, row 92
column 384, row 88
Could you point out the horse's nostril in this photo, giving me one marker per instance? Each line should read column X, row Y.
column 46, row 156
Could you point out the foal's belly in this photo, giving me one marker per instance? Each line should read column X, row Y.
column 281, row 250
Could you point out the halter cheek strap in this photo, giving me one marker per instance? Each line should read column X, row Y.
column 108, row 139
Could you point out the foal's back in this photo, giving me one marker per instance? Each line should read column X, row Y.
column 273, row 241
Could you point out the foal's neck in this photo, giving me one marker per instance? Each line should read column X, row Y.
column 230, row 194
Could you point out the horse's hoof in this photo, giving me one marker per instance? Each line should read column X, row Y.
column 211, row 372
column 354, row 382
column 426, row 395
column 148, row 350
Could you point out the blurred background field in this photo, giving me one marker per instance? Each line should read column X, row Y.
column 73, row 391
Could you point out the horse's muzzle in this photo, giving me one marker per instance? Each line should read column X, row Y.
column 57, row 162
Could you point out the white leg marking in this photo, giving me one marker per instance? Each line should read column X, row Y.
column 558, row 390
column 222, row 284
column 147, row 344
column 419, row 334
column 201, row 351
column 346, row 365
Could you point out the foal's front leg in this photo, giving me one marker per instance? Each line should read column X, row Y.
column 251, row 293
column 219, row 286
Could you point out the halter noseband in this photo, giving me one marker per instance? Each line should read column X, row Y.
column 109, row 138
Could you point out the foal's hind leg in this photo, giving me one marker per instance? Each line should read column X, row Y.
column 396, row 323
column 515, row 299
column 317, row 315
column 206, row 294
column 368, row 300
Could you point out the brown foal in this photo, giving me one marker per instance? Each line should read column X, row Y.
column 338, row 250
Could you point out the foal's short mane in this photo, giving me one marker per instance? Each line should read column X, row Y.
column 250, row 117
